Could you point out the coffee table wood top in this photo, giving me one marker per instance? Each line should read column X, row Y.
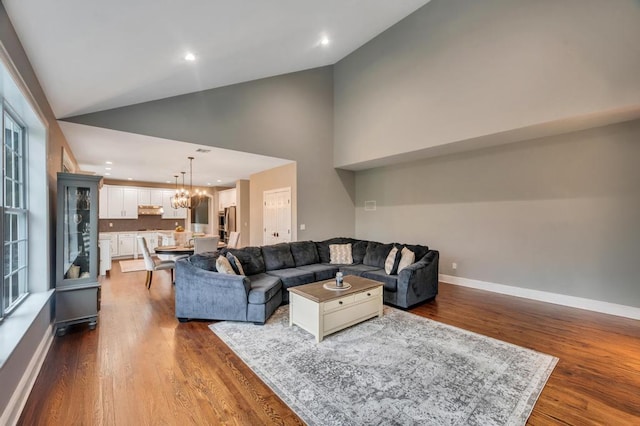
column 317, row 293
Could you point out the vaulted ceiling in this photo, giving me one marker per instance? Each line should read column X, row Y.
column 92, row 56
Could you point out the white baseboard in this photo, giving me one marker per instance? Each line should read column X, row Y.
column 544, row 296
column 12, row 412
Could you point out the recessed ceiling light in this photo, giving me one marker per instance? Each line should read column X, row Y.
column 108, row 162
column 168, row 181
column 190, row 57
column 324, row 41
column 107, row 168
column 129, row 178
column 219, row 180
column 107, row 174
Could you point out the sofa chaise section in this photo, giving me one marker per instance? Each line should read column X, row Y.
column 207, row 294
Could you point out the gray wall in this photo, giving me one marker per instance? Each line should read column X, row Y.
column 288, row 116
column 557, row 214
column 459, row 70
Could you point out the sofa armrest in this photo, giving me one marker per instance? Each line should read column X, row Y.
column 210, row 295
column 419, row 281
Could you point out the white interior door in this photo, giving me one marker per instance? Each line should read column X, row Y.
column 277, row 216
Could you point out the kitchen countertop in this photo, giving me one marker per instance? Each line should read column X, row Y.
column 137, row 231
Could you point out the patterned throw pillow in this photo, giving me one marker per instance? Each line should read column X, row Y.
column 408, row 257
column 223, row 266
column 391, row 264
column 235, row 264
column 340, row 254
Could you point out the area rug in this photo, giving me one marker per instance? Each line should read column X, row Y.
column 400, row 369
column 132, row 265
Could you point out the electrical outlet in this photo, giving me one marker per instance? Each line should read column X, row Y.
column 454, row 266
column 176, row 224
column 110, row 224
column 303, row 227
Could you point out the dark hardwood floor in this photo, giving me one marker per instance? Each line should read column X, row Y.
column 141, row 367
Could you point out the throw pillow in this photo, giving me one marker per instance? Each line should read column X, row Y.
column 235, row 264
column 406, row 259
column 391, row 264
column 340, row 254
column 223, row 266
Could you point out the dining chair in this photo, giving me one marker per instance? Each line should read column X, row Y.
column 204, row 244
column 153, row 263
column 234, row 237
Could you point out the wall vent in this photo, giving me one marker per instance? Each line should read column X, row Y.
column 369, row 206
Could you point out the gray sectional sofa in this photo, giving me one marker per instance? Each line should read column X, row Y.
column 203, row 293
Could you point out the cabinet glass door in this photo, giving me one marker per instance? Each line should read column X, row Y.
column 77, row 233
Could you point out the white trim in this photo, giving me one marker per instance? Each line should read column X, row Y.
column 544, row 296
column 22, row 85
column 16, row 404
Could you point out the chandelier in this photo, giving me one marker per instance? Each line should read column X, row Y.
column 187, row 198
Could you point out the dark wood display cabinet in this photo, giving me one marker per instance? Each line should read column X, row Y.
column 77, row 286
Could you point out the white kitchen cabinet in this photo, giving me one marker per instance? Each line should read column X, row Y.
column 150, row 197
column 113, row 244
column 226, row 198
column 170, row 212
column 156, row 197
column 144, row 196
column 127, row 244
column 104, row 242
column 103, row 207
column 122, row 202
column 152, row 240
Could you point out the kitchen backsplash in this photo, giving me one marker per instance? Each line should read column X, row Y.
column 139, row 224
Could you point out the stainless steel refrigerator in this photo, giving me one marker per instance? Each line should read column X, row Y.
column 229, row 224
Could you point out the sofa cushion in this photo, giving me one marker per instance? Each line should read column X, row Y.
column 224, row 266
column 376, row 254
column 358, row 250
column 206, row 261
column 263, row 288
column 357, row 269
column 323, row 247
column 419, row 250
column 250, row 258
column 292, row 277
column 304, row 253
column 322, row 272
column 340, row 254
column 277, row 256
column 390, row 282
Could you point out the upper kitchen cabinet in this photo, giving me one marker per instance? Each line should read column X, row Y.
column 170, row 212
column 122, row 202
column 226, row 198
column 150, row 197
column 103, row 210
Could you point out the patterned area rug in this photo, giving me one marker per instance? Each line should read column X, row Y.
column 399, row 369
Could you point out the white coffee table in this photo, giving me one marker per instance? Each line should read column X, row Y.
column 322, row 312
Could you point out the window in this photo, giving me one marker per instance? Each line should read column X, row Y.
column 14, row 214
